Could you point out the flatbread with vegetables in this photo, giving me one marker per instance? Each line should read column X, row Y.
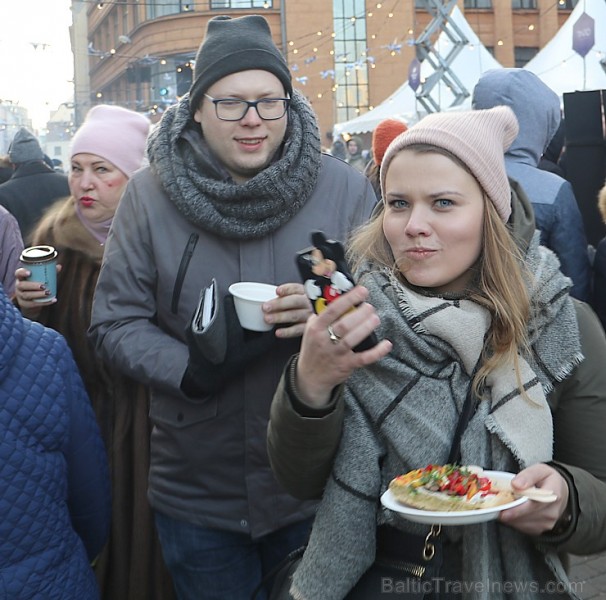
column 448, row 488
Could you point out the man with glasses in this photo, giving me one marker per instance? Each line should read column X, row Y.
column 236, row 184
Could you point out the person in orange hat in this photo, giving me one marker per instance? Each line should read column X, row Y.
column 382, row 136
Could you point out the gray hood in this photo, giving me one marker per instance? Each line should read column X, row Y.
column 538, row 118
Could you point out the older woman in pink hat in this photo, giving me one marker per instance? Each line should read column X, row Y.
column 105, row 152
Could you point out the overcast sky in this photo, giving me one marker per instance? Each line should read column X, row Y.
column 36, row 63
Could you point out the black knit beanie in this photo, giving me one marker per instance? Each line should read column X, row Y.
column 234, row 45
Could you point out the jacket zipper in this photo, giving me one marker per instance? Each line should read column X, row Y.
column 401, row 565
column 187, row 254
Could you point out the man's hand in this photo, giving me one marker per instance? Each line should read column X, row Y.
column 207, row 374
column 289, row 311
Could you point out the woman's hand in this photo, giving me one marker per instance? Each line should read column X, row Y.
column 290, row 310
column 534, row 518
column 26, row 291
column 325, row 363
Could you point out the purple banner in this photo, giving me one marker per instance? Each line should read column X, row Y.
column 414, row 74
column 583, row 35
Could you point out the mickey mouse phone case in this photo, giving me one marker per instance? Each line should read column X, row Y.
column 326, row 276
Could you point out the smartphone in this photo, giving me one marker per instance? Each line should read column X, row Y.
column 326, row 276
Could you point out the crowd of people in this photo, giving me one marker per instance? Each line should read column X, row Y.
column 149, row 456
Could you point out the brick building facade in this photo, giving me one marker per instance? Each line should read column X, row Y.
column 346, row 55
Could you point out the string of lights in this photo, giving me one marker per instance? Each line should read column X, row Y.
column 308, row 48
column 300, row 45
column 314, row 42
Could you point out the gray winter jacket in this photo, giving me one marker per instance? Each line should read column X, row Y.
column 208, row 457
column 557, row 213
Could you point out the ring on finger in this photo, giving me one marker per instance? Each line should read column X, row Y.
column 334, row 338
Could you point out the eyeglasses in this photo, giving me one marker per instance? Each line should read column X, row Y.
column 268, row 109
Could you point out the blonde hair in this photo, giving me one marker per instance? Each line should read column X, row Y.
column 500, row 285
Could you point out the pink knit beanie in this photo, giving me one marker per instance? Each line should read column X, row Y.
column 114, row 133
column 479, row 138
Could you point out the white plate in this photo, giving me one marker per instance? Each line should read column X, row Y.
column 466, row 517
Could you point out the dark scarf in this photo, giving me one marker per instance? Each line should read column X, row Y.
column 205, row 195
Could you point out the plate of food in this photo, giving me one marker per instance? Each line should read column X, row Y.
column 451, row 495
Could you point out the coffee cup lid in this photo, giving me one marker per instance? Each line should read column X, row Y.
column 35, row 254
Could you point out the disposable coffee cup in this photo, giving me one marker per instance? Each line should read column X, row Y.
column 41, row 261
column 249, row 296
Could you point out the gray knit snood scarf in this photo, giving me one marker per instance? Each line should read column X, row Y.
column 205, row 195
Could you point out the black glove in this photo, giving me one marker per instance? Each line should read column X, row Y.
column 219, row 352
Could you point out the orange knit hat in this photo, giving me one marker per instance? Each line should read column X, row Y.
column 383, row 135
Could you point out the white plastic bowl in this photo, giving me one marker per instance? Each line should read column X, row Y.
column 248, row 298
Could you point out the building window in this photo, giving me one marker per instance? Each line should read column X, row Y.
column 351, row 66
column 167, row 7
column 523, row 4
column 222, row 4
column 567, row 4
column 523, row 54
column 116, row 30
column 474, row 4
column 170, row 79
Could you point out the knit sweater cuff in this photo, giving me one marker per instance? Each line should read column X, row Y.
column 300, row 406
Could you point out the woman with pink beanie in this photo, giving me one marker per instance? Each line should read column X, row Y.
column 105, row 152
column 484, row 359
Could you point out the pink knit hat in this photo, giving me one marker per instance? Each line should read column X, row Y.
column 114, row 133
column 479, row 138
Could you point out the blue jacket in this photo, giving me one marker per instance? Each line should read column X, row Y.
column 557, row 213
column 54, row 484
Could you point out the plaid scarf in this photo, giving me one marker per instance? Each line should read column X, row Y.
column 401, row 414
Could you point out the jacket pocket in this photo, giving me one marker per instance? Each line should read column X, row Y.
column 180, row 412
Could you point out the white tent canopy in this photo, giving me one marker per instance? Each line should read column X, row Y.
column 402, row 104
column 468, row 65
column 563, row 69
